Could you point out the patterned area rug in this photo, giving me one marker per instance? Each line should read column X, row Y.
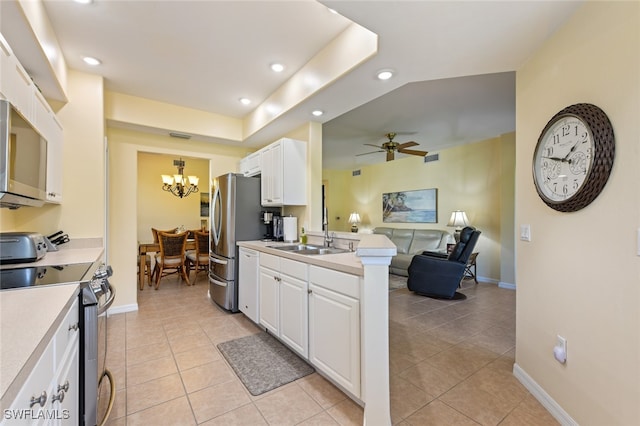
column 263, row 363
column 397, row 281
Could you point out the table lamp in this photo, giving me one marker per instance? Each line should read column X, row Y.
column 458, row 220
column 354, row 219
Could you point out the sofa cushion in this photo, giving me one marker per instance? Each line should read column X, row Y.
column 427, row 239
column 402, row 239
column 388, row 232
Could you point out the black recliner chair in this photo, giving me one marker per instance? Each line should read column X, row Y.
column 438, row 275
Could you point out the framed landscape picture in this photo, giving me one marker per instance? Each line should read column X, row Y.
column 420, row 206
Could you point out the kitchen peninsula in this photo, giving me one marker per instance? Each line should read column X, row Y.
column 332, row 309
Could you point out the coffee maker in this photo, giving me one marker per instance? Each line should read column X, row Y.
column 273, row 224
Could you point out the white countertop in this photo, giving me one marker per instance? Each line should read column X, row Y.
column 348, row 262
column 29, row 316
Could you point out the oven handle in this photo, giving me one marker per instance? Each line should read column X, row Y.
column 218, row 261
column 217, row 282
column 112, row 295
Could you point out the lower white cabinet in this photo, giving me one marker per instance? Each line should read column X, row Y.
column 334, row 326
column 283, row 305
column 248, row 278
column 51, row 395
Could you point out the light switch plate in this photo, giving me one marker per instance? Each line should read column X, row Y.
column 525, row 232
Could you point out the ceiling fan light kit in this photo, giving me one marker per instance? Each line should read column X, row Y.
column 390, row 147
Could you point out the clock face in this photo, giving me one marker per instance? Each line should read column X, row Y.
column 574, row 157
column 563, row 158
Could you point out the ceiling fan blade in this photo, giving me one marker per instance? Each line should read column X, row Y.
column 370, row 144
column 407, row 144
column 367, row 153
column 413, row 152
column 389, row 155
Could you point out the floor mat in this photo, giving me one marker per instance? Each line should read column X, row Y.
column 263, row 363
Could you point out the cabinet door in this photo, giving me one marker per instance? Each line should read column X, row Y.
column 248, row 277
column 334, row 336
column 269, row 299
column 294, row 314
column 65, row 393
column 271, row 182
column 54, row 161
column 15, row 83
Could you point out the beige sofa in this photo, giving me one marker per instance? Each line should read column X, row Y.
column 410, row 242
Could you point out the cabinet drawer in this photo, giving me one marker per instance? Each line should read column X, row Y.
column 38, row 382
column 339, row 282
column 270, row 261
column 294, row 268
column 68, row 329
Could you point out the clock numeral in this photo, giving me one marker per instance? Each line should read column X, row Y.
column 566, row 130
column 549, row 151
column 556, row 139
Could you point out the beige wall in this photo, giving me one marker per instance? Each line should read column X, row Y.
column 81, row 213
column 579, row 277
column 466, row 178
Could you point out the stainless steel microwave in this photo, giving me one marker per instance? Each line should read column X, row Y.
column 23, row 160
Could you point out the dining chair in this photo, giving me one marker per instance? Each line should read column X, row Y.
column 154, row 232
column 147, row 270
column 171, row 258
column 198, row 259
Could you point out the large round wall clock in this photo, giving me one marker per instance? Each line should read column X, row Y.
column 573, row 158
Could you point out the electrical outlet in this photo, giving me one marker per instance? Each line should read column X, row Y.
column 525, row 232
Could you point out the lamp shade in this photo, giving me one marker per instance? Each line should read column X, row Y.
column 354, row 218
column 458, row 219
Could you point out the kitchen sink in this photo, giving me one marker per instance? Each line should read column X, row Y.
column 309, row 249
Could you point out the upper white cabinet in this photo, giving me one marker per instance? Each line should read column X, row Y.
column 54, row 160
column 284, row 173
column 251, row 165
column 15, row 84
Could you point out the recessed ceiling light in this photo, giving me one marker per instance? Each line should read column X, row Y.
column 83, row 1
column 317, row 112
column 385, row 74
column 91, row 61
column 332, row 11
column 245, row 101
column 277, row 67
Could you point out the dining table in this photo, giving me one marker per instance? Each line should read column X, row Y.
column 153, row 248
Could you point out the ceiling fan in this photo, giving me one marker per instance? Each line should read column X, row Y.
column 390, row 147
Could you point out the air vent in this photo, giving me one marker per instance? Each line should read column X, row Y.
column 179, row 135
column 432, row 157
column 356, row 172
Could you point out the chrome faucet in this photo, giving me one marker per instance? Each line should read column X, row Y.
column 328, row 241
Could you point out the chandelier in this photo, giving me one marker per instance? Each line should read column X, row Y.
column 177, row 184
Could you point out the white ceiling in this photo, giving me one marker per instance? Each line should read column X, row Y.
column 454, row 62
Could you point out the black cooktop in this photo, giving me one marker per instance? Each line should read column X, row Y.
column 42, row 275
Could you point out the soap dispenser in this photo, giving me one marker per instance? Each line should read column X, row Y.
column 303, row 237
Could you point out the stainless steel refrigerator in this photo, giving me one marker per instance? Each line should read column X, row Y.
column 234, row 216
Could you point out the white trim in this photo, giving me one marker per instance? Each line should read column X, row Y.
column 488, row 280
column 122, row 309
column 543, row 397
column 508, row 286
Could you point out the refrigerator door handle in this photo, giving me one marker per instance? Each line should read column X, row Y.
column 216, row 260
column 217, row 282
column 216, row 208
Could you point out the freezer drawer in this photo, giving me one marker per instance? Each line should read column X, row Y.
column 223, row 293
column 222, row 267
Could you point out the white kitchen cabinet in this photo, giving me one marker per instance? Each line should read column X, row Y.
column 15, row 84
column 55, row 143
column 251, row 164
column 283, row 307
column 50, row 395
column 334, row 326
column 284, row 173
column 248, row 277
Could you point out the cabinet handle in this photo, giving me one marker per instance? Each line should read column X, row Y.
column 309, row 291
column 74, row 327
column 58, row 397
column 42, row 399
column 64, row 387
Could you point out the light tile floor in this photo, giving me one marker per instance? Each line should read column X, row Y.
column 450, row 364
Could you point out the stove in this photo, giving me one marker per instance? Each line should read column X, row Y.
column 32, row 276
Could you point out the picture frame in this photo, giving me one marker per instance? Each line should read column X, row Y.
column 204, row 204
column 418, row 206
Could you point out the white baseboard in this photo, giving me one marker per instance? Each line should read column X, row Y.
column 487, row 280
column 543, row 397
column 122, row 309
column 508, row 286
